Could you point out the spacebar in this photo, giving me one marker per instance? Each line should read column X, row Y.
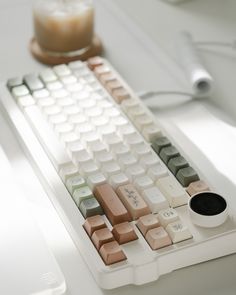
column 55, row 150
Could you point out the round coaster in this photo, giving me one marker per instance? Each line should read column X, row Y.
column 54, row 59
column 208, row 209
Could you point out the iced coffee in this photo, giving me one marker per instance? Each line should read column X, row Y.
column 63, row 25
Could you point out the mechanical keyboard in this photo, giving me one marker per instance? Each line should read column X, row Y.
column 134, row 206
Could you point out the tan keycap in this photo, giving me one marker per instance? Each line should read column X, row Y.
column 158, row 238
column 112, row 253
column 124, row 233
column 106, row 78
column 94, row 62
column 120, row 94
column 197, row 187
column 111, row 204
column 147, row 222
column 132, row 201
column 102, row 236
column 113, row 85
column 94, row 223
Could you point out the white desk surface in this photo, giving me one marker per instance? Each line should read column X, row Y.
column 129, row 56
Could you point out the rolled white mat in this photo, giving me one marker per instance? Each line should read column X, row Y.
column 201, row 81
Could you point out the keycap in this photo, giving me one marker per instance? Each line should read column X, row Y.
column 135, row 171
column 187, row 175
column 120, row 94
column 177, row 163
column 42, row 93
column 90, row 207
column 141, row 150
column 93, row 223
column 160, row 143
column 88, row 168
column 68, row 171
column 73, row 65
column 74, row 182
column 197, row 187
column 102, row 236
column 13, row 82
column 148, row 161
column 132, row 200
column 112, row 253
column 167, row 216
column 167, row 153
column 81, row 194
column 113, row 85
column 93, row 62
column 110, row 168
column 158, row 238
column 20, row 91
column 155, row 199
column 118, row 180
column 127, row 160
column 143, row 121
column 178, row 231
column 54, row 148
column 147, row 222
column 124, row 233
column 105, row 78
column 55, row 85
column 111, row 204
column 25, row 101
column 47, row 75
column 62, row 70
column 157, row 171
column 96, row 179
column 151, row 132
column 172, row 190
column 33, row 82
column 143, row 182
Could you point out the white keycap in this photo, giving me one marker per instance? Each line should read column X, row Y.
column 112, row 112
column 80, row 95
column 62, row 70
column 46, row 102
column 75, row 65
column 157, row 171
column 135, row 112
column 99, row 122
column 97, row 148
column 178, row 231
column 25, row 101
column 104, row 157
column 63, row 128
column 75, row 182
column 54, row 85
column 57, row 119
column 104, row 104
column 173, row 191
column 65, row 101
column 126, row 131
column 93, row 112
column 119, row 122
column 87, row 103
column 52, row 110
column 47, row 75
column 83, row 157
column 110, row 168
column 96, row 179
column 69, row 137
column 41, row 93
column 67, row 80
column 151, row 132
column 76, row 150
column 127, row 160
column 134, row 139
column 143, row 121
column 118, row 180
column 148, row 161
column 143, row 182
column 77, row 119
column 84, row 128
column 155, row 199
column 127, row 104
column 113, row 141
column 88, row 168
column 20, row 91
column 107, row 131
column 135, row 171
column 141, row 149
column 60, row 93
column 72, row 109
column 68, row 171
column 90, row 138
column 54, row 148
column 74, row 88
column 167, row 216
column 120, row 150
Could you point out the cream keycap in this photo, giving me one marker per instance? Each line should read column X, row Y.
column 178, row 231
column 155, row 199
column 167, row 216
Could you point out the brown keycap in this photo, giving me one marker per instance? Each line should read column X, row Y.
column 94, row 223
column 124, row 233
column 113, row 85
column 132, row 200
column 111, row 204
column 158, row 238
column 101, row 70
column 94, row 62
column 106, row 78
column 102, row 236
column 112, row 253
column 197, row 187
column 120, row 94
column 147, row 222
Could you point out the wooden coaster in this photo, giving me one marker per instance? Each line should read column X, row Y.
column 44, row 56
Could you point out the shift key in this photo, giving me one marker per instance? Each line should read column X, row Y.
column 111, row 204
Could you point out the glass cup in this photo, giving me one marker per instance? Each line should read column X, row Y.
column 64, row 26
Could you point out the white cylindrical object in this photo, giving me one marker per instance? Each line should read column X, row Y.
column 201, row 81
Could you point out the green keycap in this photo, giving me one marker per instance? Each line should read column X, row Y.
column 160, row 143
column 90, row 207
column 74, row 182
column 168, row 152
column 81, row 194
column 187, row 175
column 177, row 163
